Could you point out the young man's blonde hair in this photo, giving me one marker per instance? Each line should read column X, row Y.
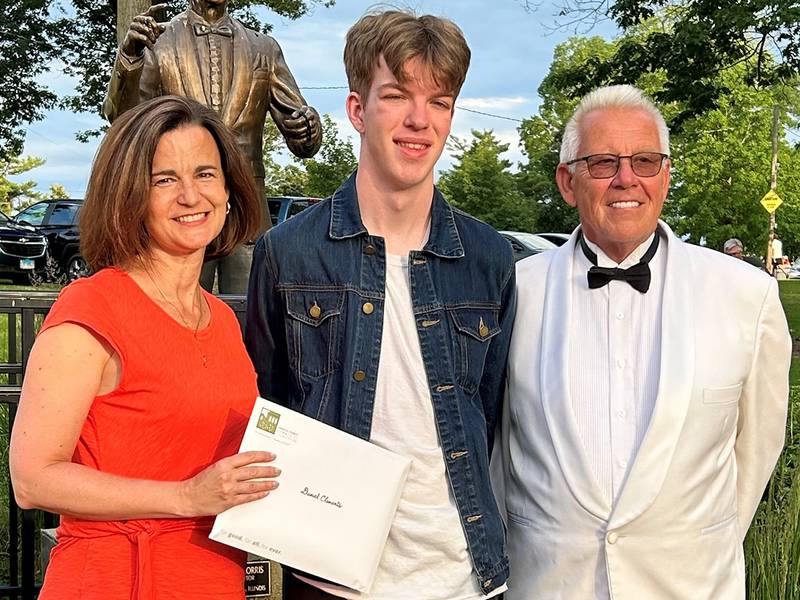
column 398, row 36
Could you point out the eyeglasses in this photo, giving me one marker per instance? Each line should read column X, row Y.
column 605, row 166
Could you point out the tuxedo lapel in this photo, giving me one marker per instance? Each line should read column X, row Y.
column 554, row 377
column 242, row 79
column 654, row 456
column 185, row 53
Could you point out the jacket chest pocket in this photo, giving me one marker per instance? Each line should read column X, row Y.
column 473, row 329
column 314, row 321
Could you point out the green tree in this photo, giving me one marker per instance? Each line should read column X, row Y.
column 722, row 169
column 57, row 192
column 334, row 162
column 13, row 195
column 692, row 42
column 540, row 134
column 81, row 35
column 27, row 45
column 720, row 157
column 482, row 184
column 318, row 176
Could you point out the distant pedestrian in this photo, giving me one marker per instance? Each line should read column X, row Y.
column 734, row 247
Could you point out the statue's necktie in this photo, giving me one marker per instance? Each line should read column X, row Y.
column 638, row 276
column 203, row 29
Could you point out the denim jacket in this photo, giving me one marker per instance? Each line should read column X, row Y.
column 314, row 324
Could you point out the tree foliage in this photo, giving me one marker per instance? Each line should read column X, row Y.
column 720, row 157
column 12, row 194
column 334, row 162
column 692, row 42
column 27, row 45
column 319, row 176
column 482, row 184
column 81, row 35
column 722, row 162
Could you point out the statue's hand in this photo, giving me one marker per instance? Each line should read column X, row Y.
column 144, row 31
column 303, row 126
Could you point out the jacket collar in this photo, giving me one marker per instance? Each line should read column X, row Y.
column 654, row 456
column 444, row 240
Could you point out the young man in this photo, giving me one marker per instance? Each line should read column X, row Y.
column 387, row 313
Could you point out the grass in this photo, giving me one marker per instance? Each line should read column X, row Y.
column 772, row 547
column 790, row 298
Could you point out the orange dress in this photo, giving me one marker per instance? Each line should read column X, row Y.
column 172, row 415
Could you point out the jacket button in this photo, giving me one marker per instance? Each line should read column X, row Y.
column 315, row 311
column 612, row 537
column 369, row 249
column 367, row 308
column 359, row 375
column 483, row 330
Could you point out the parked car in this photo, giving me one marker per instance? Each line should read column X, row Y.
column 57, row 220
column 23, row 251
column 526, row 244
column 282, row 208
column 557, row 238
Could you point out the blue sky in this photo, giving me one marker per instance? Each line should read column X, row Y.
column 511, row 53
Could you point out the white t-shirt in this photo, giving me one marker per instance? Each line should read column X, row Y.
column 426, row 554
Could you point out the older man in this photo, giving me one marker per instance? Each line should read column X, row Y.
column 647, row 385
column 734, row 247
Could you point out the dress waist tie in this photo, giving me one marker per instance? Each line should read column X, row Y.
column 139, row 532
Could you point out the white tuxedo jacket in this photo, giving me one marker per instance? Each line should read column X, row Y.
column 717, row 429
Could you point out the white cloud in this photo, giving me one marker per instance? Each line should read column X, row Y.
column 493, row 103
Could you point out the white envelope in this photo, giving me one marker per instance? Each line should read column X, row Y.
column 331, row 514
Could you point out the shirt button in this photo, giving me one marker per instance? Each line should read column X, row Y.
column 620, row 362
column 369, row 249
column 367, row 308
column 612, row 537
column 622, row 463
column 620, row 316
column 621, row 414
column 359, row 375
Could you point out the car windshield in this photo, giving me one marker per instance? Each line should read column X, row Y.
column 4, row 218
column 532, row 241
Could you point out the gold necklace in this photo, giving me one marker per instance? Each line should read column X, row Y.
column 194, row 330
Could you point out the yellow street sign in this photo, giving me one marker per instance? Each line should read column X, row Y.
column 771, row 201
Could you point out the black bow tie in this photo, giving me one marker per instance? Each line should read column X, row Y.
column 638, row 275
column 203, row 29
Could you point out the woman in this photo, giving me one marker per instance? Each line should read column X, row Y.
column 138, row 388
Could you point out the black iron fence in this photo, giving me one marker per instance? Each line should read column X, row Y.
column 21, row 315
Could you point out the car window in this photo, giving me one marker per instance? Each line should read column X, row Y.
column 534, row 242
column 274, row 209
column 63, row 214
column 296, row 207
column 33, row 214
column 3, row 218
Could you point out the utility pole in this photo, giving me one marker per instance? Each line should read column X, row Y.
column 773, row 184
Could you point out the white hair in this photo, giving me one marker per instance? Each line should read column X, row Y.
column 612, row 96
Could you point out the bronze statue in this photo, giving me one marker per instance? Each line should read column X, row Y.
column 206, row 55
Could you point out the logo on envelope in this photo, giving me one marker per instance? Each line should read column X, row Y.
column 268, row 420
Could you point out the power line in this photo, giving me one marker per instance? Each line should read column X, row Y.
column 477, row 112
column 485, row 114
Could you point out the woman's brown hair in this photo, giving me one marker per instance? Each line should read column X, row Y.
column 112, row 219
